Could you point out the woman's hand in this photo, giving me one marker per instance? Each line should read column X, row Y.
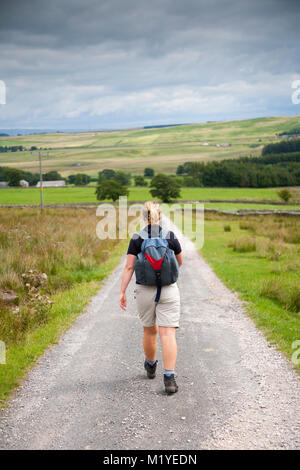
column 123, row 302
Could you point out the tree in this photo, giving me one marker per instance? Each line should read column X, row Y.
column 81, row 179
column 110, row 189
column 180, row 170
column 123, row 178
column 71, row 179
column 187, row 167
column 139, row 180
column 106, row 174
column 13, row 176
column 285, row 195
column 164, row 187
column 2, row 173
column 52, row 176
column 32, row 178
column 284, row 146
column 148, row 172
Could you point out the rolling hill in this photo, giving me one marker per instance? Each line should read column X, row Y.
column 161, row 148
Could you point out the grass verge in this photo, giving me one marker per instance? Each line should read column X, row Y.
column 68, row 304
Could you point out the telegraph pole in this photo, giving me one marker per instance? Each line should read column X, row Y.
column 41, row 182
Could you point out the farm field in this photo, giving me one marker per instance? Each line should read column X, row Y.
column 163, row 149
column 87, row 194
column 259, row 257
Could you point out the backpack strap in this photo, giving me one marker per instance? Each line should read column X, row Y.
column 163, row 233
column 143, row 234
column 158, row 283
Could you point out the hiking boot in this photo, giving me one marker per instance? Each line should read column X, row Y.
column 151, row 370
column 170, row 384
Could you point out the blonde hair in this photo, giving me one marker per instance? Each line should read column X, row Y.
column 151, row 212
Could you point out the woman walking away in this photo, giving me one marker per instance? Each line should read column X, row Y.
column 155, row 256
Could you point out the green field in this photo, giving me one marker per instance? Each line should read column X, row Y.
column 163, row 149
column 87, row 194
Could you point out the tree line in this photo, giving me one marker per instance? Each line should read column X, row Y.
column 12, row 148
column 261, row 172
column 284, row 146
column 293, row 131
column 13, row 176
column 18, row 148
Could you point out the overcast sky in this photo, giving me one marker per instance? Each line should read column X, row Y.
column 98, row 64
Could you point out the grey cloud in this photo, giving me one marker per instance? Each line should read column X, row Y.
column 73, row 22
column 107, row 62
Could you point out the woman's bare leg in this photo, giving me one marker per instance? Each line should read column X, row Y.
column 169, row 346
column 150, row 342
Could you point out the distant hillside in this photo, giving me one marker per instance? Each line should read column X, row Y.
column 21, row 132
column 162, row 148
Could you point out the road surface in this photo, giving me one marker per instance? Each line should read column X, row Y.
column 90, row 391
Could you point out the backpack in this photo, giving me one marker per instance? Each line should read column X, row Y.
column 156, row 264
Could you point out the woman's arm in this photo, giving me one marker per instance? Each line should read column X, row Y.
column 179, row 258
column 126, row 278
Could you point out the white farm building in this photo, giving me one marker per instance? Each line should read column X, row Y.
column 52, row 184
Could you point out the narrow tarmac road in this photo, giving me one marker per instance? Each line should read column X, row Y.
column 90, row 391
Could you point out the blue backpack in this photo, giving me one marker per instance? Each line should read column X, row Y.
column 156, row 264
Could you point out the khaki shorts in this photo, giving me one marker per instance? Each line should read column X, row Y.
column 165, row 312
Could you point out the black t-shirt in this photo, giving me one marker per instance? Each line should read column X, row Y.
column 135, row 243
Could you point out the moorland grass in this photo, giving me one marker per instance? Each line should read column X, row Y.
column 264, row 270
column 64, row 245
